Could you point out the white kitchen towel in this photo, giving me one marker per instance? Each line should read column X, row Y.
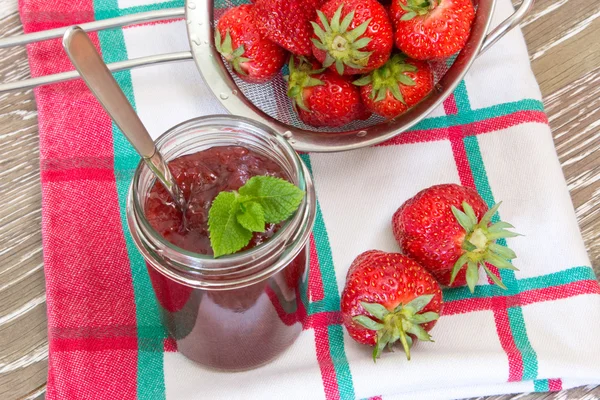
column 492, row 134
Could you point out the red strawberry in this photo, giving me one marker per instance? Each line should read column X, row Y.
column 432, row 229
column 323, row 98
column 388, row 298
column 286, row 22
column 352, row 36
column 398, row 85
column 430, row 29
column 253, row 57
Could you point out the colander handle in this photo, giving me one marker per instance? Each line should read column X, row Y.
column 159, row 15
column 113, row 67
column 507, row 25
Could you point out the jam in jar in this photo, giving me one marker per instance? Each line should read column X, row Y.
column 202, row 176
column 238, row 311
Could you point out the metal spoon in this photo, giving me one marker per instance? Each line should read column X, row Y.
column 103, row 85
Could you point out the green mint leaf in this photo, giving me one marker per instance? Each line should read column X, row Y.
column 227, row 235
column 278, row 198
column 251, row 216
column 233, row 217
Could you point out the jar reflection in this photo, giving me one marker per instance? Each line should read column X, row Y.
column 235, row 329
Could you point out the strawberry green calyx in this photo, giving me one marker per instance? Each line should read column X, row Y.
column 417, row 7
column 388, row 77
column 480, row 245
column 300, row 78
column 397, row 325
column 234, row 57
column 343, row 46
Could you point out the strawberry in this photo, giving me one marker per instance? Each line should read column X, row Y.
column 431, row 29
column 388, row 298
column 253, row 57
column 432, row 229
column 352, row 36
column 323, row 98
column 287, row 22
column 398, row 85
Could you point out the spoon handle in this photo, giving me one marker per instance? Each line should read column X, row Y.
column 99, row 79
column 105, row 88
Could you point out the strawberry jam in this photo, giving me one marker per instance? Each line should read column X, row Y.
column 202, row 176
column 228, row 313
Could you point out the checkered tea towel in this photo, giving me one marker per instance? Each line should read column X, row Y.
column 106, row 339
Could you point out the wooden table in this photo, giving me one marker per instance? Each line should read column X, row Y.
column 562, row 36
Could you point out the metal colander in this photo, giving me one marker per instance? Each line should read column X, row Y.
column 268, row 103
column 271, row 98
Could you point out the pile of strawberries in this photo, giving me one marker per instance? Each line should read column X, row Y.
column 446, row 235
column 343, row 66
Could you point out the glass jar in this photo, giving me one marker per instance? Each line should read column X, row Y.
column 239, row 311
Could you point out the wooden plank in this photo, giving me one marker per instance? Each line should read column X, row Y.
column 562, row 40
column 23, row 339
column 7, row 7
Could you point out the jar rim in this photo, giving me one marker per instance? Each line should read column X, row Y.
column 193, row 264
column 160, row 141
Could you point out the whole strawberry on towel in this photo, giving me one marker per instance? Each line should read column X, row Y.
column 388, row 299
column 252, row 56
column 352, row 36
column 431, row 29
column 448, row 230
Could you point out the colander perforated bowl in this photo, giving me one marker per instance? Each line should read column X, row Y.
column 268, row 103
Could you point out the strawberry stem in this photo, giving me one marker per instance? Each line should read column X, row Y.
column 480, row 245
column 478, row 239
column 418, row 7
column 388, row 77
column 343, row 47
column 300, row 78
column 401, row 324
column 404, row 341
column 233, row 57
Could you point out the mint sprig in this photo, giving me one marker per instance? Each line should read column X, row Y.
column 234, row 216
column 252, row 216
column 225, row 230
